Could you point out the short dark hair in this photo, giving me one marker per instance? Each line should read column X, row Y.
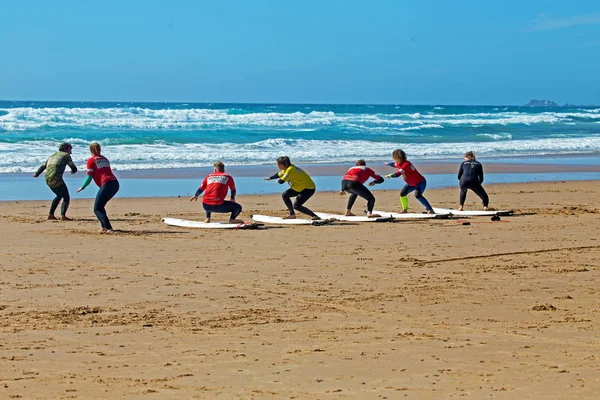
column 65, row 146
column 219, row 166
column 284, row 160
column 361, row 163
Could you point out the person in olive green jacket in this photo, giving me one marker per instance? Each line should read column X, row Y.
column 55, row 168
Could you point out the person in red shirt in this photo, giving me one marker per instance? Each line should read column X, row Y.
column 354, row 183
column 414, row 180
column 215, row 186
column 98, row 169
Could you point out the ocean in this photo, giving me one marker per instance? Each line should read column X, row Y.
column 145, row 136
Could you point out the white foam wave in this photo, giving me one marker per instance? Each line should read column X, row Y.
column 26, row 157
column 496, row 136
column 135, row 118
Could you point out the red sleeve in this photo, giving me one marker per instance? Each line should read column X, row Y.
column 90, row 166
column 204, row 184
column 372, row 174
column 231, row 184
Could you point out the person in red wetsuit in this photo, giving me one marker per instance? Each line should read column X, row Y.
column 414, row 180
column 354, row 183
column 215, row 186
column 98, row 169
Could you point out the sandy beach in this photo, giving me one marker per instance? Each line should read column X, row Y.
column 423, row 310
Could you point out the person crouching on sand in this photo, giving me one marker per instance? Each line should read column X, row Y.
column 414, row 180
column 470, row 176
column 55, row 168
column 98, row 168
column 302, row 187
column 215, row 186
column 354, row 183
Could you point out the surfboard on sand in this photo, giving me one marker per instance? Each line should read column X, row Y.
column 473, row 213
column 357, row 218
column 280, row 221
column 184, row 223
column 411, row 215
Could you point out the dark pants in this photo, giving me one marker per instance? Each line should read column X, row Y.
column 228, row 206
column 358, row 189
column 301, row 198
column 419, row 189
column 62, row 193
column 106, row 192
column 475, row 187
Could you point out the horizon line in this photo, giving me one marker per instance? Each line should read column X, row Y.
column 299, row 103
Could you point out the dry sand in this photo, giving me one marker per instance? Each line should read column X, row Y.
column 427, row 310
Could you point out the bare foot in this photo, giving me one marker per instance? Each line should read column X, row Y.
column 236, row 221
column 65, row 218
column 316, row 218
column 430, row 212
column 485, row 208
column 103, row 231
column 51, row 217
column 349, row 214
column 459, row 208
column 109, row 232
column 403, row 212
column 207, row 220
column 291, row 216
column 373, row 215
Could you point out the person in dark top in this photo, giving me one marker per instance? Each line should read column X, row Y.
column 55, row 168
column 470, row 175
column 354, row 183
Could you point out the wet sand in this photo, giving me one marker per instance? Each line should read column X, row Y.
column 422, row 310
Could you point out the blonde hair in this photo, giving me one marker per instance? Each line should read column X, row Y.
column 470, row 154
column 95, row 148
column 219, row 166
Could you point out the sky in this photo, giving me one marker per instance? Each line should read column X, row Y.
column 310, row 51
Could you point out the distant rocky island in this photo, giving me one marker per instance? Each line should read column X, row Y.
column 541, row 103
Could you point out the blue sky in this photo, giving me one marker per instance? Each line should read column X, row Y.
column 378, row 51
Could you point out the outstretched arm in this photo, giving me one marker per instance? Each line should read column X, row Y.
column 198, row 193
column 40, row 170
column 71, row 165
column 272, row 177
column 88, row 179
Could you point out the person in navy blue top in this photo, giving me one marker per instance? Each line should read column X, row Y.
column 470, row 176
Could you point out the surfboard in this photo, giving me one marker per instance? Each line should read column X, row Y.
column 411, row 215
column 280, row 221
column 357, row 218
column 184, row 223
column 473, row 213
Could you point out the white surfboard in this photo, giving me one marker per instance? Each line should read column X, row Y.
column 357, row 218
column 473, row 213
column 184, row 223
column 411, row 215
column 280, row 221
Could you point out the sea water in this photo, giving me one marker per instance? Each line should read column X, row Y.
column 141, row 136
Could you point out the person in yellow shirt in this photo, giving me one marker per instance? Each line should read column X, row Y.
column 302, row 187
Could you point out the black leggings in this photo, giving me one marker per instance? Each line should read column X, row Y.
column 227, row 206
column 62, row 193
column 301, row 198
column 475, row 187
column 106, row 192
column 358, row 189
